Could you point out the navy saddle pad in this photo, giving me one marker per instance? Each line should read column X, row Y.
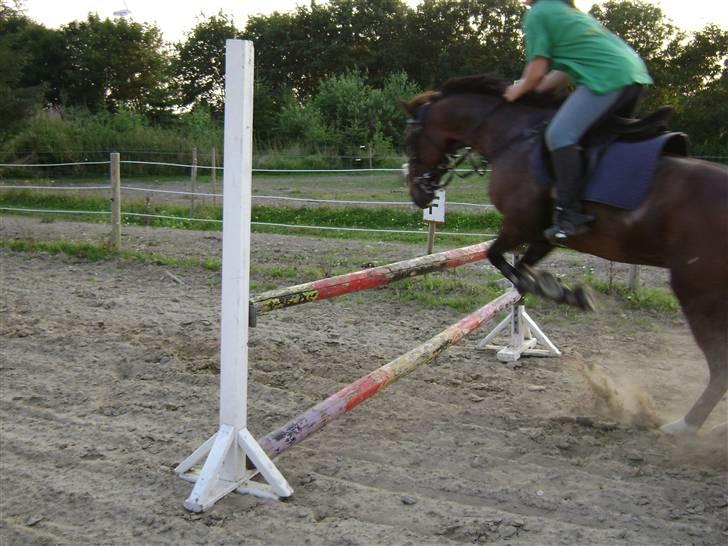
column 623, row 176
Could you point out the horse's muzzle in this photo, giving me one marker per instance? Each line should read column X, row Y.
column 420, row 197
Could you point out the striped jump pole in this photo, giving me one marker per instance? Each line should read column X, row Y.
column 354, row 394
column 367, row 278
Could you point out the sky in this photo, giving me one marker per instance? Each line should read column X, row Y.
column 176, row 17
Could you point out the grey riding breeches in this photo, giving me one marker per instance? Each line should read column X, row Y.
column 581, row 111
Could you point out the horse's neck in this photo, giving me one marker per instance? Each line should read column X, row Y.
column 488, row 124
column 511, row 128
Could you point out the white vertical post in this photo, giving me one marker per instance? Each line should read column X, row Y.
column 225, row 469
column 236, row 239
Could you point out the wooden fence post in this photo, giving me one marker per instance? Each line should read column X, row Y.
column 115, row 175
column 433, row 215
column 431, row 228
column 213, row 174
column 634, row 277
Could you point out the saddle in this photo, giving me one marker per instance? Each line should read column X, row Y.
column 620, row 157
column 641, row 128
column 617, row 128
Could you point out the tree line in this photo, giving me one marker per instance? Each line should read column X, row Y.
column 326, row 73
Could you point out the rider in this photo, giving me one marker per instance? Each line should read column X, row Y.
column 563, row 46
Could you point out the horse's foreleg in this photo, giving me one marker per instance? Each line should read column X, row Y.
column 501, row 264
column 535, row 252
column 505, row 243
column 527, row 279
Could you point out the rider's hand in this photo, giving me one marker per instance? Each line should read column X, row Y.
column 512, row 92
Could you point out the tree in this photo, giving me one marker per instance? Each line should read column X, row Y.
column 279, row 60
column 45, row 60
column 199, row 64
column 298, row 50
column 114, row 65
column 704, row 117
column 396, row 86
column 10, row 9
column 267, row 107
column 464, row 37
column 441, row 39
column 699, row 62
column 18, row 102
column 642, row 25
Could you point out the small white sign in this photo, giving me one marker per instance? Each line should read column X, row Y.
column 436, row 211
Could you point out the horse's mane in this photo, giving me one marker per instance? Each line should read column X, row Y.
column 493, row 84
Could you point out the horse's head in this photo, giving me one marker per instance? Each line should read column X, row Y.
column 428, row 149
column 458, row 116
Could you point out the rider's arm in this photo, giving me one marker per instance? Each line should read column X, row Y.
column 555, row 82
column 533, row 74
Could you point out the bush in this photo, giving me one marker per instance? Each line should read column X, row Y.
column 81, row 136
column 303, row 123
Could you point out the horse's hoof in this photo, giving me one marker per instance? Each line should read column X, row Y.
column 678, row 428
column 526, row 282
column 584, row 299
column 549, row 286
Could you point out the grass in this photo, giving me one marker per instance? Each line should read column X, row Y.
column 444, row 289
column 209, row 217
column 360, row 186
column 652, row 299
column 449, row 289
column 459, row 290
column 95, row 253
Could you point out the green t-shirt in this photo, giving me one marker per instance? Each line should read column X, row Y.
column 579, row 45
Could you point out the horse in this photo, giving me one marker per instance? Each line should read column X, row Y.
column 681, row 225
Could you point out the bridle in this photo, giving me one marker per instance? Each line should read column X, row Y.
column 439, row 176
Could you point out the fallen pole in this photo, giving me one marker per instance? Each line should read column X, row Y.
column 354, row 394
column 367, row 278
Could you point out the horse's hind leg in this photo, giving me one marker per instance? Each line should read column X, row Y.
column 707, row 314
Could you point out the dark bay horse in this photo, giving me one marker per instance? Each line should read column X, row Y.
column 682, row 225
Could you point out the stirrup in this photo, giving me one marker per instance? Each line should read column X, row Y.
column 558, row 233
column 567, row 223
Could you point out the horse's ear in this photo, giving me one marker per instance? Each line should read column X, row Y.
column 407, row 107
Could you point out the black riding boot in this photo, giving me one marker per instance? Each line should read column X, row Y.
column 569, row 220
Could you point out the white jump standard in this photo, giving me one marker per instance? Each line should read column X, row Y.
column 225, row 469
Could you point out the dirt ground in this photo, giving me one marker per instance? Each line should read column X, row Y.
column 109, row 378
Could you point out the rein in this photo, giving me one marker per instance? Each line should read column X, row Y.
column 445, row 171
column 477, row 165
